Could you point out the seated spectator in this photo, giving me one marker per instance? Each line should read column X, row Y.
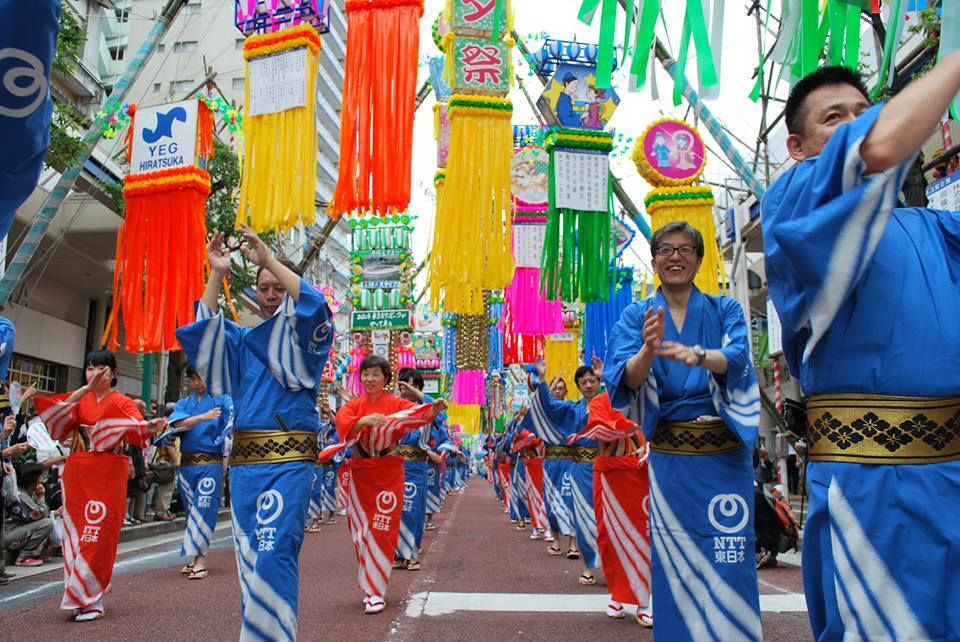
column 28, row 532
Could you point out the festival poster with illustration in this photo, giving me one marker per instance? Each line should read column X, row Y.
column 530, row 176
column 673, row 151
column 575, row 100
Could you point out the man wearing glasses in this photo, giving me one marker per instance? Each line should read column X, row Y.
column 678, row 363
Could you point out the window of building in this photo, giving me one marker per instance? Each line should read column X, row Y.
column 192, row 8
column 161, row 48
column 117, row 53
column 182, row 85
column 122, row 14
column 156, row 88
column 238, row 44
column 185, row 46
column 238, row 84
column 46, row 376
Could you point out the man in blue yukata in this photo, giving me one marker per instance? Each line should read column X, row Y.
column 201, row 421
column 678, row 363
column 272, row 372
column 868, row 296
column 323, row 503
column 568, row 468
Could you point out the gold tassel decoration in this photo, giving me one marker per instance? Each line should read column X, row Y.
column 561, row 352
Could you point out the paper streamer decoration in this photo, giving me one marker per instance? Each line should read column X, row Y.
column 280, row 142
column 475, row 203
column 601, row 316
column 379, row 89
column 577, row 249
column 161, row 244
column 670, row 155
column 561, row 352
column 471, row 358
column 467, row 417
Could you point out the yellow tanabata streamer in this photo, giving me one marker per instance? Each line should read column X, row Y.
column 693, row 204
column 280, row 149
column 471, row 242
column 563, row 359
column 467, row 417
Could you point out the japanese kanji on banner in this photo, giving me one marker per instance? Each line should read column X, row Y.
column 475, row 200
column 161, row 244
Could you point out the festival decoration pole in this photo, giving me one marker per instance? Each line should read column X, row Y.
column 478, row 168
column 69, row 177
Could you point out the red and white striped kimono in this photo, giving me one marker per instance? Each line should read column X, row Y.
column 529, row 443
column 375, row 487
column 621, row 492
column 94, row 483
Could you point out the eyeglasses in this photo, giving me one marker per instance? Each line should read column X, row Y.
column 668, row 250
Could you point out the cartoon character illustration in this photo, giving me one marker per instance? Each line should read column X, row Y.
column 684, row 151
column 565, row 112
column 661, row 150
column 591, row 116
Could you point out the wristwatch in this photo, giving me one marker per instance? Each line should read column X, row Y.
column 701, row 354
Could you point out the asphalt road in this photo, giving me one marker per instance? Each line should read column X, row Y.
column 481, row 579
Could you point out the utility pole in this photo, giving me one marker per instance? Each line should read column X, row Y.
column 69, row 177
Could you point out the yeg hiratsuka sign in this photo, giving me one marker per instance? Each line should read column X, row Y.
column 164, row 136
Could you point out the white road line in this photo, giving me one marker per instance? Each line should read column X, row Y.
column 438, row 603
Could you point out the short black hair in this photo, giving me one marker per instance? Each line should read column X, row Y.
column 376, row 361
column 569, row 78
column 190, row 371
column 682, row 227
column 582, row 372
column 795, row 112
column 102, row 358
column 411, row 376
column 287, row 263
column 28, row 474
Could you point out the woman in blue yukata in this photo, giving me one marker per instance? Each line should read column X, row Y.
column 679, row 364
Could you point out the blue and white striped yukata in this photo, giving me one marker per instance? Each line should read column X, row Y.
column 703, row 570
column 200, row 475
column 272, row 371
column 568, row 484
column 869, row 296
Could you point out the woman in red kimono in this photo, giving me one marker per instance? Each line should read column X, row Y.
column 373, row 423
column 94, row 479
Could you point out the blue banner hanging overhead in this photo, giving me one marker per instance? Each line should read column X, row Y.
column 28, row 39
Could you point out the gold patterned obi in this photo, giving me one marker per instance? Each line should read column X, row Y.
column 200, row 459
column 694, row 438
column 559, row 452
column 584, row 454
column 273, row 446
column 411, row 453
column 876, row 429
